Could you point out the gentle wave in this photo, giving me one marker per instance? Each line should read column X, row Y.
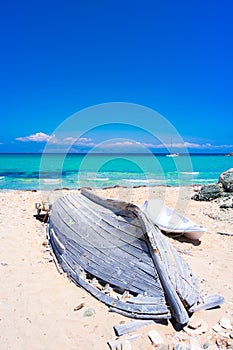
column 190, row 172
column 2, row 177
column 50, row 181
column 144, row 181
column 96, row 179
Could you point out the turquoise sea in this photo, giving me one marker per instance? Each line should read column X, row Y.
column 50, row 171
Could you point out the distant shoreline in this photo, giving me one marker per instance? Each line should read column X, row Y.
column 117, row 154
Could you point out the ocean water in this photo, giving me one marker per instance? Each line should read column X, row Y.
column 50, row 171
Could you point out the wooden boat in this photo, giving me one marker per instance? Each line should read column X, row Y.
column 170, row 221
column 114, row 251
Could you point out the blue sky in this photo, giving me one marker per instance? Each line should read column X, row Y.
column 59, row 57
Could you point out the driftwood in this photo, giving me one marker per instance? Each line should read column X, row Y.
column 132, row 326
column 225, row 233
column 112, row 249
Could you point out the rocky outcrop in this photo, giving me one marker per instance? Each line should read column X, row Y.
column 208, row 192
column 222, row 194
column 226, row 179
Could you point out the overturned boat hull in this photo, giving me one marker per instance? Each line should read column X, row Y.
column 170, row 221
column 114, row 251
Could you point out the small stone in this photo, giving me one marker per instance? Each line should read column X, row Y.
column 126, row 345
column 162, row 347
column 195, row 322
column 194, row 344
column 231, row 335
column 224, row 335
column 206, row 345
column 222, row 342
column 79, row 307
column 225, row 323
column 89, row 312
column 182, row 336
column 155, row 337
column 202, row 329
column 181, row 346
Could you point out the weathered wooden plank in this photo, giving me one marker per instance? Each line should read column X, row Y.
column 124, row 232
column 137, row 280
column 149, row 311
column 81, row 232
column 121, row 329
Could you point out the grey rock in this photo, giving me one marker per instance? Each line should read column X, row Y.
column 226, row 179
column 181, row 346
column 208, row 192
column 226, row 203
column 89, row 312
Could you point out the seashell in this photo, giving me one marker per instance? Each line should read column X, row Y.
column 217, row 328
column 225, row 323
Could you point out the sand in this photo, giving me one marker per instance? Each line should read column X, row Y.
column 37, row 303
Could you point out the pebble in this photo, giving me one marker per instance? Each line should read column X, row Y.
column 162, row 347
column 126, row 345
column 155, row 337
column 89, row 312
column 225, row 323
column 194, row 344
column 181, row 346
column 79, row 307
column 206, row 345
column 195, row 322
column 202, row 329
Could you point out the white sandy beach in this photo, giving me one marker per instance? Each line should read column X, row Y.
column 37, row 303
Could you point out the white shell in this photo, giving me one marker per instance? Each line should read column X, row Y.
column 126, row 345
column 217, row 328
column 155, row 337
column 225, row 323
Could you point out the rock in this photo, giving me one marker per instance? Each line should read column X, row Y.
column 155, row 337
column 225, row 323
column 79, row 307
column 206, row 345
column 208, row 192
column 194, row 344
column 195, row 322
column 126, row 345
column 89, row 312
column 223, row 343
column 201, row 329
column 226, row 179
column 162, row 347
column 181, row 346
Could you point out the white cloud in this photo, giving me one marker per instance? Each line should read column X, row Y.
column 125, row 143
column 187, row 145
column 42, row 137
column 38, row 137
column 117, row 145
